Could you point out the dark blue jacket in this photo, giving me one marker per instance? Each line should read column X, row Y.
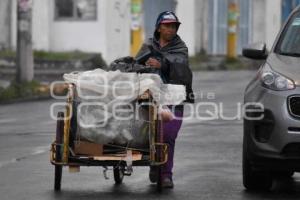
column 174, row 62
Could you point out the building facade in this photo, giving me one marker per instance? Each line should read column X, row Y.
column 205, row 23
column 68, row 25
column 104, row 25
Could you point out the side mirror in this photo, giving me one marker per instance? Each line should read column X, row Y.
column 256, row 51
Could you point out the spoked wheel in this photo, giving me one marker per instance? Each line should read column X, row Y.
column 58, row 151
column 253, row 179
column 118, row 174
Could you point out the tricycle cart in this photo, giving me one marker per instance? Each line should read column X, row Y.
column 62, row 149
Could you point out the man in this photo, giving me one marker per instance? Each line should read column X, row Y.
column 169, row 56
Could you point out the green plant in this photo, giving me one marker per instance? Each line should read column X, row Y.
column 199, row 57
column 73, row 55
column 232, row 64
column 20, row 90
column 7, row 54
column 58, row 56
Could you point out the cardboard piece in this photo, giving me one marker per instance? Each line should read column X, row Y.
column 88, row 148
column 135, row 157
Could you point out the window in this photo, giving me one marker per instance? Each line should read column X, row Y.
column 290, row 40
column 76, row 9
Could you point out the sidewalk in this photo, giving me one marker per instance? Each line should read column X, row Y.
column 213, row 63
column 54, row 71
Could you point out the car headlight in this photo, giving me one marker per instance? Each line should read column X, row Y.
column 274, row 81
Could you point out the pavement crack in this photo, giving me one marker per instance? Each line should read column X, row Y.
column 43, row 133
column 36, row 151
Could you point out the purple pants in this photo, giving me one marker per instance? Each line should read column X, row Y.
column 170, row 131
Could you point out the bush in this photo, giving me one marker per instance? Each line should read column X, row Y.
column 98, row 61
column 59, row 56
column 8, row 54
column 21, row 90
column 199, row 57
column 232, row 64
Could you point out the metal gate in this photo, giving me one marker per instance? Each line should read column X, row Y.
column 217, row 21
column 151, row 10
column 244, row 34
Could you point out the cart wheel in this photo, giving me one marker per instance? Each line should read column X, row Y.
column 58, row 152
column 57, row 177
column 118, row 174
column 159, row 179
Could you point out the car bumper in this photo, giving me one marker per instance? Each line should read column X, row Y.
column 273, row 141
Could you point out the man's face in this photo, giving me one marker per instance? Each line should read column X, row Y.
column 167, row 31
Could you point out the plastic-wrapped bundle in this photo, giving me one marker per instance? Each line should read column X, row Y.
column 127, row 127
column 107, row 109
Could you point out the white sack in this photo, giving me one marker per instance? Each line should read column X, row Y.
column 100, row 91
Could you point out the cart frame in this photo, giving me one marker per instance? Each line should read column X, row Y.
column 61, row 153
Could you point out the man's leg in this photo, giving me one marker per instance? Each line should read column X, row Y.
column 170, row 131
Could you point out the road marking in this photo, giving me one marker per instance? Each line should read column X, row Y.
column 212, row 122
column 294, row 132
column 28, row 132
column 36, row 151
column 2, row 121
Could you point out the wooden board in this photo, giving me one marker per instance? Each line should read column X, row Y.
column 135, row 157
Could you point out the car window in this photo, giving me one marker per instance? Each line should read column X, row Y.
column 290, row 41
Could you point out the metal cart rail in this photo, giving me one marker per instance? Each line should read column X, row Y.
column 62, row 152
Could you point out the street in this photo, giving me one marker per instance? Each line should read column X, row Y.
column 208, row 155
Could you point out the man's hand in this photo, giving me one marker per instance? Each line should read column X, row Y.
column 153, row 63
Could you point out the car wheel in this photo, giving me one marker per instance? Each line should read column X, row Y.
column 253, row 179
column 284, row 173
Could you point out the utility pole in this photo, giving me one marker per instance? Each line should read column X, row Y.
column 24, row 41
column 233, row 15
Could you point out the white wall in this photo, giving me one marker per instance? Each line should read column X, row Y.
column 117, row 29
column 273, row 21
column 258, row 22
column 68, row 35
column 41, row 25
column 108, row 35
column 185, row 11
column 266, row 21
column 201, row 25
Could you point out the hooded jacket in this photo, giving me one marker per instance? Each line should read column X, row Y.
column 174, row 62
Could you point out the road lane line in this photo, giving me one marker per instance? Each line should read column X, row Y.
column 36, row 151
column 2, row 121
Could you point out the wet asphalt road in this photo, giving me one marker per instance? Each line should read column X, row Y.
column 207, row 160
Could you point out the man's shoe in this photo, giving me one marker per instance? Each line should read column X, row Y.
column 153, row 174
column 167, row 183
